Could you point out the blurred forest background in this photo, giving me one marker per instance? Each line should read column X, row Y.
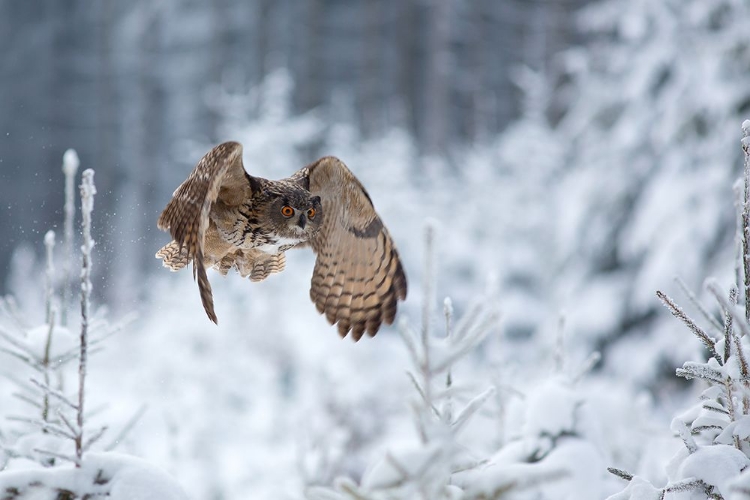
column 129, row 83
column 575, row 155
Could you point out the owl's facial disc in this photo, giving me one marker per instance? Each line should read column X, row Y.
column 297, row 216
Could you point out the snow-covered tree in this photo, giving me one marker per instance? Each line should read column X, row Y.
column 48, row 455
column 714, row 431
column 650, row 105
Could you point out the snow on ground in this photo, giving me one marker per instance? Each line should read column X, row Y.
column 111, row 475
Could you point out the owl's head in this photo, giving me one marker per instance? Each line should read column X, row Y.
column 296, row 215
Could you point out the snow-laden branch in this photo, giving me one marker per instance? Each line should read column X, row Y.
column 678, row 313
column 49, row 276
column 682, row 430
column 69, row 168
column 88, row 190
column 746, row 217
column 698, row 305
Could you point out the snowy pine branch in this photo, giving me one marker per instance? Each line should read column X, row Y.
column 49, row 391
column 471, row 408
column 620, row 473
column 698, row 305
column 716, row 431
column 678, row 313
column 681, row 428
column 746, row 217
column 54, row 419
column 692, row 369
column 737, row 314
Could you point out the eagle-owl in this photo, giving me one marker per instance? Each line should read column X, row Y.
column 223, row 217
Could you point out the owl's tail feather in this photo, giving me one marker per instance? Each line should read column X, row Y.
column 207, row 298
column 174, row 257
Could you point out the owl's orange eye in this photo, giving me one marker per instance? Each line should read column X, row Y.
column 287, row 211
column 311, row 213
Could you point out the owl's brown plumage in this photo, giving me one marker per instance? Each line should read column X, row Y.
column 222, row 217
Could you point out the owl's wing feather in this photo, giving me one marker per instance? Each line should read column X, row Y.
column 358, row 277
column 219, row 175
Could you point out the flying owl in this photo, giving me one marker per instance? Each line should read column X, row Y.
column 223, row 217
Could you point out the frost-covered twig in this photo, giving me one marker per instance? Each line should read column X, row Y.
column 126, row 429
column 448, row 406
column 678, row 313
column 690, row 484
column 426, row 309
column 94, row 438
column 421, row 392
column 88, row 190
column 29, row 361
column 10, row 310
column 46, row 363
column 586, row 366
column 691, row 370
column 620, row 473
column 682, row 430
column 560, row 345
column 746, row 217
column 721, row 298
column 66, row 421
column 22, row 384
column 61, row 456
column 49, row 276
column 45, row 426
column 55, row 393
column 26, row 399
column 17, row 344
column 69, row 168
column 697, row 304
column 471, row 408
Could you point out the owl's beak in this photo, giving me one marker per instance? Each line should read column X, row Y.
column 302, row 221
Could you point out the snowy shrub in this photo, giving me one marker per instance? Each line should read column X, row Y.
column 57, row 432
column 716, row 430
column 424, row 468
column 555, row 433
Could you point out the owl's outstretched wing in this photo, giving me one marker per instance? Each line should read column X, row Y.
column 358, row 277
column 219, row 175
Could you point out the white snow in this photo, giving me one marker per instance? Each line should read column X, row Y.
column 116, row 476
column 638, row 489
column 70, row 162
column 716, row 465
column 551, row 410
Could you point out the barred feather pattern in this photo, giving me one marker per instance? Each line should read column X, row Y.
column 263, row 268
column 173, row 257
column 186, row 216
column 358, row 277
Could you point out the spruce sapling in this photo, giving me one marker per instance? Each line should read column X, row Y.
column 425, row 472
column 715, row 432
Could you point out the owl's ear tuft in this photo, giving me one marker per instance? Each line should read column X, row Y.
column 255, row 184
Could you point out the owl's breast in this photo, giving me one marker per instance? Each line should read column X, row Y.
column 248, row 233
column 274, row 245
